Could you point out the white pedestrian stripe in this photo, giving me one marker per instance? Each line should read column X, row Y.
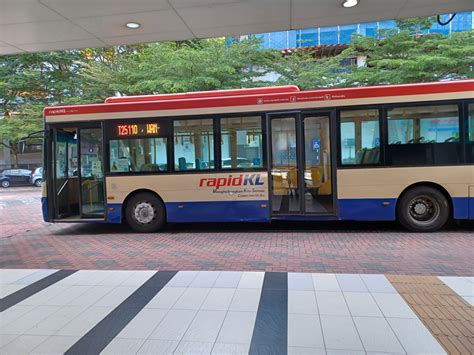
column 214, row 313
column 463, row 286
column 197, row 310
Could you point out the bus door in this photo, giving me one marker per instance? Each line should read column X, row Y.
column 91, row 173
column 65, row 178
column 301, row 164
column 78, row 173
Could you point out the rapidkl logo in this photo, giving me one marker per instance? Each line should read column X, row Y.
column 241, row 180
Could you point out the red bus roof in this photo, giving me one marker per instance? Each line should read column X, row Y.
column 203, row 94
column 249, row 97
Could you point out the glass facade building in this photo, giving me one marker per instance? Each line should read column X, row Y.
column 343, row 34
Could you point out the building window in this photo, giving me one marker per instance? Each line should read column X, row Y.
column 328, row 35
column 241, row 142
column 368, row 29
column 423, row 135
column 346, row 32
column 360, row 137
column 193, row 144
column 307, row 37
column 138, row 155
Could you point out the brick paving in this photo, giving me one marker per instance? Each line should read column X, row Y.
column 447, row 315
column 20, row 210
column 27, row 242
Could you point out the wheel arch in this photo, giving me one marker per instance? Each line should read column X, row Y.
column 137, row 191
column 431, row 184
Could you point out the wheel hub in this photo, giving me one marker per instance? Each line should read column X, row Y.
column 144, row 212
column 420, row 208
column 423, row 209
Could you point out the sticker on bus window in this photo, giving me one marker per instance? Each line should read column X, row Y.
column 96, row 168
column 122, row 165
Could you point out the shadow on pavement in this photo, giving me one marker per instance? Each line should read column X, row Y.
column 274, row 226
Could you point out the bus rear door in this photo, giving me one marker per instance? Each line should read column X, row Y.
column 301, row 164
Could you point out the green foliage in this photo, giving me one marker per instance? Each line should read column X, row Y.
column 303, row 70
column 415, row 25
column 27, row 84
column 404, row 58
column 399, row 57
column 180, row 67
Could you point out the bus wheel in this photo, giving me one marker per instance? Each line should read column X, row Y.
column 423, row 209
column 145, row 213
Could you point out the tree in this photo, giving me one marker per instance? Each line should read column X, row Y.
column 17, row 125
column 303, row 70
column 28, row 83
column 173, row 67
column 404, row 58
column 395, row 57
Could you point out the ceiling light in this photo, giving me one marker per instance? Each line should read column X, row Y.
column 133, row 25
column 350, row 3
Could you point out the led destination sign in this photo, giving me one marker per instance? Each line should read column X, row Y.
column 137, row 129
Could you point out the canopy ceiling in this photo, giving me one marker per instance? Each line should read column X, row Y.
column 45, row 25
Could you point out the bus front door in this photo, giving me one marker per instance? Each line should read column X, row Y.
column 65, row 176
column 301, row 164
column 78, row 177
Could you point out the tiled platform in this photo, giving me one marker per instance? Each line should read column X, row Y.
column 203, row 312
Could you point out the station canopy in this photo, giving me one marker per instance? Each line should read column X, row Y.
column 45, row 25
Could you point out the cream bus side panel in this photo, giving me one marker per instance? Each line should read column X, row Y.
column 390, row 182
column 191, row 187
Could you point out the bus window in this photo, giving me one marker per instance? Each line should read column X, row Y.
column 138, row 155
column 470, row 123
column 241, row 142
column 360, row 137
column 193, row 144
column 423, row 124
column 421, row 135
column 470, row 134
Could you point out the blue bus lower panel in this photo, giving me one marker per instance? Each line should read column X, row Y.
column 221, row 211
column 367, row 209
column 44, row 208
column 305, row 217
column 114, row 212
column 471, row 207
column 259, row 211
column 463, row 207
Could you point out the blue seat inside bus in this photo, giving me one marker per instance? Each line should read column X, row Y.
column 367, row 156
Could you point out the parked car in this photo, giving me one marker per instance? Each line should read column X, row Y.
column 12, row 177
column 37, row 177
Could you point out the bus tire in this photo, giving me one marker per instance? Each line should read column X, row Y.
column 423, row 209
column 145, row 213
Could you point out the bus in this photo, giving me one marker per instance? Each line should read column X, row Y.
column 380, row 153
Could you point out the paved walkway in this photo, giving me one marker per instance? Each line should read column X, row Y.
column 378, row 248
column 248, row 248
column 112, row 312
